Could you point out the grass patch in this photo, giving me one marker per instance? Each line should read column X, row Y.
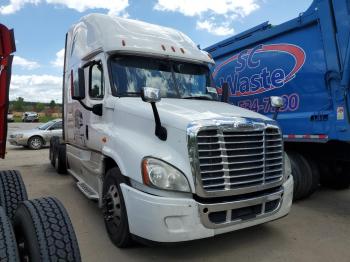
column 44, row 119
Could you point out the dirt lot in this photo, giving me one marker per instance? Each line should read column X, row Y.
column 317, row 229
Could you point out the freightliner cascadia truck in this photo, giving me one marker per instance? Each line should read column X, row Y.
column 306, row 61
column 145, row 136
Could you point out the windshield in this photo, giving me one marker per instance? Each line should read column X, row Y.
column 46, row 125
column 174, row 79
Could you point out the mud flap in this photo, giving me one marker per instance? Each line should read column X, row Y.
column 7, row 47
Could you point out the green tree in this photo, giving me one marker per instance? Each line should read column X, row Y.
column 18, row 104
column 39, row 107
column 52, row 104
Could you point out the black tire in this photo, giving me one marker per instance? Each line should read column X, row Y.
column 53, row 142
column 115, row 215
column 51, row 154
column 335, row 174
column 12, row 191
column 315, row 174
column 296, row 177
column 8, row 245
column 35, row 142
column 302, row 174
column 44, row 232
column 61, row 159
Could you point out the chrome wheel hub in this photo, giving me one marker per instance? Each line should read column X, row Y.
column 112, row 206
column 35, row 143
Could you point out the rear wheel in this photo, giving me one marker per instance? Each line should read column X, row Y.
column 53, row 141
column 12, row 191
column 315, row 174
column 44, row 232
column 302, row 174
column 8, row 245
column 60, row 159
column 115, row 216
column 35, row 142
column 335, row 174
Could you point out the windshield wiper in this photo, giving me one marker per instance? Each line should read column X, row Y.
column 203, row 97
column 130, row 93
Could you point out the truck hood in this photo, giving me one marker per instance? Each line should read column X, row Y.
column 178, row 113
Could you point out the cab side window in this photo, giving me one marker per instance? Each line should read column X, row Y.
column 96, row 81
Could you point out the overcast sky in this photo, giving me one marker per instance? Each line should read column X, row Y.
column 40, row 27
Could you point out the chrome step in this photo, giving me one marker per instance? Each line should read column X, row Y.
column 87, row 191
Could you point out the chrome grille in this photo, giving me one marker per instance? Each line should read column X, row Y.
column 232, row 159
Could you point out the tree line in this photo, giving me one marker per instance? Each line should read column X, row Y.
column 20, row 105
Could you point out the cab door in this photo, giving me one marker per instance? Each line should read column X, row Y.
column 95, row 96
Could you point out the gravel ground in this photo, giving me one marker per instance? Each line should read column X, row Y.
column 318, row 229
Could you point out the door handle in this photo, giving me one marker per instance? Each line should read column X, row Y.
column 87, row 132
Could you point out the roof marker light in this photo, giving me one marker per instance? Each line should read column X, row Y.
column 163, row 47
column 182, row 50
column 173, row 48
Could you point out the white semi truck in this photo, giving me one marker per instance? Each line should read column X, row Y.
column 145, row 136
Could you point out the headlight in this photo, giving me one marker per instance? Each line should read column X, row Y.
column 287, row 167
column 164, row 176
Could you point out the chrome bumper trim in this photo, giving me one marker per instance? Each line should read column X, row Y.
column 206, row 209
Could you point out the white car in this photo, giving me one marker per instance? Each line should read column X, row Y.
column 38, row 137
column 10, row 118
column 30, row 117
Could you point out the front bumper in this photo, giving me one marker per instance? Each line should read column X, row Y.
column 18, row 141
column 164, row 219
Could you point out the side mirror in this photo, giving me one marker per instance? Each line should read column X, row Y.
column 212, row 92
column 276, row 102
column 78, row 85
column 150, row 94
column 97, row 109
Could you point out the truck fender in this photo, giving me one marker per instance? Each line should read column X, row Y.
column 112, row 154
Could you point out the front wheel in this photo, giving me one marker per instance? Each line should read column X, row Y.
column 35, row 142
column 115, row 216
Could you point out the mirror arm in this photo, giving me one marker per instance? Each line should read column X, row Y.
column 96, row 109
column 160, row 131
column 275, row 114
column 85, row 106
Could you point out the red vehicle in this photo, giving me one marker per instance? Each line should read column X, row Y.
column 23, row 235
column 7, row 47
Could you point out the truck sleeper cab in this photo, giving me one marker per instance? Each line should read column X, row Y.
column 145, row 136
